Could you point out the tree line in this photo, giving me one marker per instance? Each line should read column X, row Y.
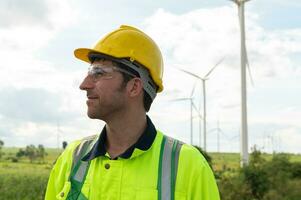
column 30, row 151
column 262, row 179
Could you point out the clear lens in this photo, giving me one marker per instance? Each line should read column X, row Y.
column 97, row 72
column 100, row 72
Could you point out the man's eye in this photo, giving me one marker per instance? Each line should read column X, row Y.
column 98, row 72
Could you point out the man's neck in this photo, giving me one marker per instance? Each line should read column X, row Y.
column 123, row 133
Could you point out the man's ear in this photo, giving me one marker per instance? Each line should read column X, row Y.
column 135, row 87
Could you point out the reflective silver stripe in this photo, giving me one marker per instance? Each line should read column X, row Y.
column 166, row 188
column 80, row 174
column 81, row 149
column 166, row 169
column 85, row 145
column 77, row 154
column 177, row 155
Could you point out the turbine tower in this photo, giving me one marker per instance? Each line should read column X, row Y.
column 204, row 79
column 192, row 105
column 244, row 63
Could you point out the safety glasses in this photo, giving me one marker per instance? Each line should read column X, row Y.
column 98, row 72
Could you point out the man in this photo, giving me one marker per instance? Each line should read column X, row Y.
column 130, row 159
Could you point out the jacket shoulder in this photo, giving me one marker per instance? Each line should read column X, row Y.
column 192, row 154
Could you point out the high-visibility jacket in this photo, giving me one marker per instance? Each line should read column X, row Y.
column 136, row 177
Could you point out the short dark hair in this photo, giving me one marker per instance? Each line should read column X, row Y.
column 147, row 100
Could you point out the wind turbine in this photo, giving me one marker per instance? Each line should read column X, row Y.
column 192, row 105
column 218, row 132
column 244, row 64
column 204, row 79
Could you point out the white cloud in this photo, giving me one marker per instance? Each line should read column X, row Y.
column 38, row 22
column 30, row 29
column 14, row 12
column 20, row 42
column 289, row 116
column 289, row 139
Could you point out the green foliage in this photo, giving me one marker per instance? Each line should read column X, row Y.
column 255, row 176
column 256, row 180
column 41, row 153
column 296, row 170
column 263, row 179
column 20, row 153
column 14, row 159
column 32, row 153
column 233, row 188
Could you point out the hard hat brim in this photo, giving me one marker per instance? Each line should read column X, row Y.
column 82, row 54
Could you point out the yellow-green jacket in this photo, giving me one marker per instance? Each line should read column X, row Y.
column 135, row 177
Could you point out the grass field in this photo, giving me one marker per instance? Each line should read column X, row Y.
column 23, row 180
column 232, row 160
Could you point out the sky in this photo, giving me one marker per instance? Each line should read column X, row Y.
column 40, row 100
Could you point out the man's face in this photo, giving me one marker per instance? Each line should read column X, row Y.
column 105, row 90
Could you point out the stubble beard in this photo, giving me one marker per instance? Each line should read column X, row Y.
column 107, row 109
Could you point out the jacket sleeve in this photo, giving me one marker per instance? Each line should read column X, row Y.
column 203, row 185
column 60, row 173
column 196, row 176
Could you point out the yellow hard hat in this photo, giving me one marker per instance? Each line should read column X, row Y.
column 130, row 43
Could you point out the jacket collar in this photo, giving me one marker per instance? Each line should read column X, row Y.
column 143, row 144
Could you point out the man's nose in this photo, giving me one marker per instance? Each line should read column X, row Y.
column 87, row 83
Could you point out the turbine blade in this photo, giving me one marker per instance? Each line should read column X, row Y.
column 181, row 99
column 248, row 65
column 249, row 70
column 193, row 105
column 226, row 136
column 200, row 104
column 192, row 91
column 190, row 73
column 219, row 62
column 245, row 48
